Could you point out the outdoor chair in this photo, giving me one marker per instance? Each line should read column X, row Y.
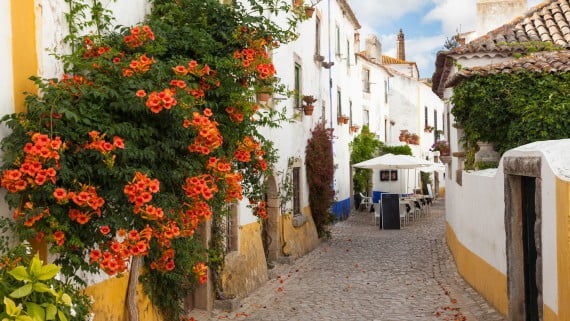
column 365, row 203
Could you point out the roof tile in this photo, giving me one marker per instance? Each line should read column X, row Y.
column 541, row 62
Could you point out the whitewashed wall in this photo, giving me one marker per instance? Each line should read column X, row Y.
column 476, row 211
column 6, row 78
column 52, row 28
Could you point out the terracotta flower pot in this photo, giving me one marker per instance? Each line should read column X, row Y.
column 345, row 120
column 263, row 97
column 308, row 109
column 309, row 11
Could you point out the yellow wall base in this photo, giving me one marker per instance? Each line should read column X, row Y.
column 245, row 270
column 300, row 240
column 484, row 278
column 563, row 253
column 109, row 301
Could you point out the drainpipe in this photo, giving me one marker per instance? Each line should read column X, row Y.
column 330, row 83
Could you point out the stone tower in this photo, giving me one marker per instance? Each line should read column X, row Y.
column 401, row 51
column 495, row 13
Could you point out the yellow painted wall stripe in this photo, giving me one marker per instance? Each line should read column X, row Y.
column 563, row 235
column 483, row 277
column 24, row 50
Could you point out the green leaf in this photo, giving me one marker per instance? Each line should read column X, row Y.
column 19, row 273
column 35, row 266
column 22, row 291
column 24, row 318
column 66, row 299
column 11, row 308
column 35, row 311
column 41, row 287
column 51, row 311
column 48, row 272
column 61, row 315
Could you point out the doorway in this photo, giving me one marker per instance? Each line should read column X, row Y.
column 270, row 227
column 523, row 222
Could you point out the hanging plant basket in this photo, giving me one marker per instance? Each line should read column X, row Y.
column 345, row 120
column 309, row 11
column 308, row 110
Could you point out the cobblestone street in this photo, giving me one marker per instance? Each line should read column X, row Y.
column 364, row 273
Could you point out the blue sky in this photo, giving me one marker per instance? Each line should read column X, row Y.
column 426, row 24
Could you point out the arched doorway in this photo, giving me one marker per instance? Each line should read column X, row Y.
column 270, row 232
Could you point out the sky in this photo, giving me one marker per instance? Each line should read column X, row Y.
column 426, row 25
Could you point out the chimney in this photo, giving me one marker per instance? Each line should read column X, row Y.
column 374, row 48
column 495, row 13
column 401, row 51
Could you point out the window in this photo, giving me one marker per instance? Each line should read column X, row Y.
column 347, row 53
column 366, row 117
column 385, row 91
column 366, row 80
column 230, row 223
column 385, row 130
column 426, row 124
column 337, row 41
column 297, row 94
column 339, row 103
column 317, row 37
column 443, row 122
column 350, row 112
column 436, row 134
column 296, row 190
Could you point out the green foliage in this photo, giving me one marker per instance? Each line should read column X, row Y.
column 486, row 165
column 396, row 150
column 30, row 291
column 426, row 180
column 514, row 109
column 364, row 147
column 320, row 175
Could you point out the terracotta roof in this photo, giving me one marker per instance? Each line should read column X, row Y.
column 363, row 55
column 387, row 60
column 547, row 22
column 543, row 62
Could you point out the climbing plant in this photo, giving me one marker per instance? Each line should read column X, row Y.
column 320, row 175
column 513, row 109
column 149, row 132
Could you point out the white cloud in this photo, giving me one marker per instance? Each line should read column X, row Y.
column 384, row 12
column 454, row 15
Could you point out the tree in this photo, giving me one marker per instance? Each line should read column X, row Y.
column 364, row 147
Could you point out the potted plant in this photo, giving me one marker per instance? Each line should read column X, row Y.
column 308, row 106
column 342, row 119
column 428, row 129
column 440, row 146
column 354, row 128
column 309, row 10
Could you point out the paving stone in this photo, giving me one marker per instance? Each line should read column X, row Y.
column 364, row 273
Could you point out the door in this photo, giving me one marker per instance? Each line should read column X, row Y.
column 528, row 190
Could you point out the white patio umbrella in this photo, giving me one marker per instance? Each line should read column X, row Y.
column 391, row 161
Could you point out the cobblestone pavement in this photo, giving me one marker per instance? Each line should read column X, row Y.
column 364, row 273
